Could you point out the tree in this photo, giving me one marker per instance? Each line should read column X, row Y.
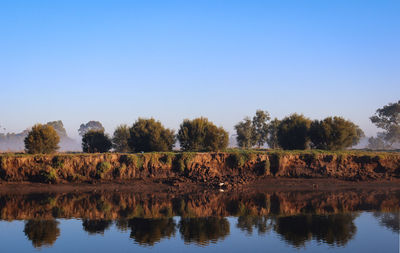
column 59, row 127
column 245, row 132
column 149, row 135
column 388, row 118
column 202, row 135
column 91, row 125
column 378, row 142
column 272, row 139
column 293, row 132
column 96, row 141
column 334, row 133
column 260, row 125
column 121, row 139
column 42, row 139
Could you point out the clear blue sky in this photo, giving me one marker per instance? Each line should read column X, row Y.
column 114, row 61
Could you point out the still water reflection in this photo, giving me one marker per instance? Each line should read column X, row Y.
column 349, row 221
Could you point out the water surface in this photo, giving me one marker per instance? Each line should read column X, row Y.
column 286, row 221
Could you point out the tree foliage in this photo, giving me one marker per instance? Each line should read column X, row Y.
column 96, row 141
column 244, row 133
column 121, row 139
column 293, row 132
column 378, row 142
column 59, row 127
column 334, row 133
column 91, row 125
column 388, row 118
column 149, row 135
column 202, row 135
column 272, row 139
column 42, row 139
column 260, row 125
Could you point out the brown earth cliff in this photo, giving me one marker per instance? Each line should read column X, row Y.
column 213, row 169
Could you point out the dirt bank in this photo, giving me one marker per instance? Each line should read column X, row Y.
column 232, row 169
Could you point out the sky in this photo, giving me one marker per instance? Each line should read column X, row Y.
column 115, row 61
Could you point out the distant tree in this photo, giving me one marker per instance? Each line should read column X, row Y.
column 202, row 135
column 378, row 142
column 91, row 125
column 121, row 139
column 245, row 133
column 334, row 133
column 293, row 132
column 96, row 141
column 42, row 232
column 42, row 139
column 388, row 118
column 272, row 139
column 260, row 125
column 59, row 127
column 149, row 135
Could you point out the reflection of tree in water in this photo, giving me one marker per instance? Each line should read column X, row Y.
column 203, row 230
column 389, row 220
column 42, row 232
column 150, row 231
column 96, row 226
column 248, row 223
column 334, row 230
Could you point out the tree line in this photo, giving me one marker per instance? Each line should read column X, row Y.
column 292, row 132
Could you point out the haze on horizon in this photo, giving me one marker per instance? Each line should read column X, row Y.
column 115, row 61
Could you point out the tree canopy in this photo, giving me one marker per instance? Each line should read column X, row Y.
column 91, row 125
column 245, row 132
column 96, row 141
column 42, row 139
column 334, row 133
column 388, row 119
column 293, row 132
column 149, row 135
column 121, row 139
column 260, row 125
column 202, row 135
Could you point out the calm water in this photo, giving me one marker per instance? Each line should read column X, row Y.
column 287, row 221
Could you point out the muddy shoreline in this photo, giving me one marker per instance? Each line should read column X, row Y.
column 149, row 186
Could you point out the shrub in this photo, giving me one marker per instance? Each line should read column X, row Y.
column 42, row 139
column 58, row 162
column 202, row 135
column 149, row 135
column 96, row 141
column 48, row 176
column 101, row 169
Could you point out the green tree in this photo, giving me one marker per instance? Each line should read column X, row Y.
column 293, row 132
column 42, row 139
column 91, row 125
column 202, row 135
column 260, row 125
column 388, row 118
column 334, row 133
column 149, row 135
column 96, row 141
column 121, row 139
column 244, row 133
column 272, row 139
